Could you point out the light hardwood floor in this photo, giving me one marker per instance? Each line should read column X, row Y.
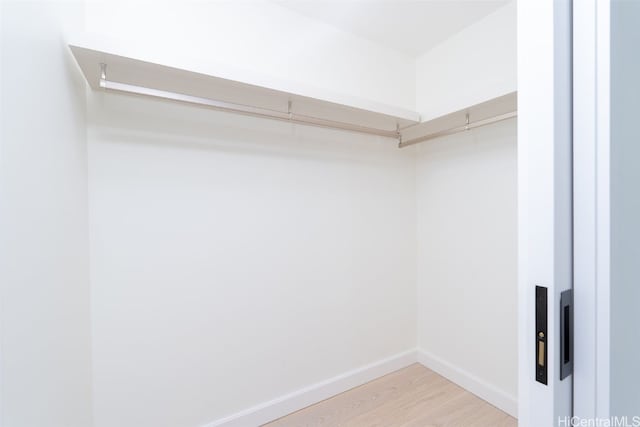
column 411, row 397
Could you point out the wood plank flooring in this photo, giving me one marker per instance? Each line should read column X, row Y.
column 411, row 397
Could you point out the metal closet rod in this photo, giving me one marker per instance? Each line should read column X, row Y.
column 241, row 109
column 457, row 129
column 290, row 116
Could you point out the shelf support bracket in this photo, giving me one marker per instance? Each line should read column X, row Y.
column 103, row 73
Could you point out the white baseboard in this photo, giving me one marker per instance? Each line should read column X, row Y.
column 299, row 399
column 470, row 382
column 283, row 405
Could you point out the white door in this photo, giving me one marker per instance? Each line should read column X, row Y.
column 544, row 210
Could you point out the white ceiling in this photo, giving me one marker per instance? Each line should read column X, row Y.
column 411, row 26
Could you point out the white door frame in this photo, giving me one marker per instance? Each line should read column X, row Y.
column 591, row 98
column 544, row 199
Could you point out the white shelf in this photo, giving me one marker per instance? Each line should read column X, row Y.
column 491, row 111
column 266, row 98
column 152, row 79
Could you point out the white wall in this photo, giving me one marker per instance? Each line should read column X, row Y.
column 466, row 195
column 235, row 260
column 625, row 209
column 258, row 36
column 467, row 257
column 475, row 65
column 44, row 269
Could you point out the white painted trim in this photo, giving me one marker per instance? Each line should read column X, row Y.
column 603, row 206
column 299, row 399
column 591, row 48
column 485, row 391
column 584, row 209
